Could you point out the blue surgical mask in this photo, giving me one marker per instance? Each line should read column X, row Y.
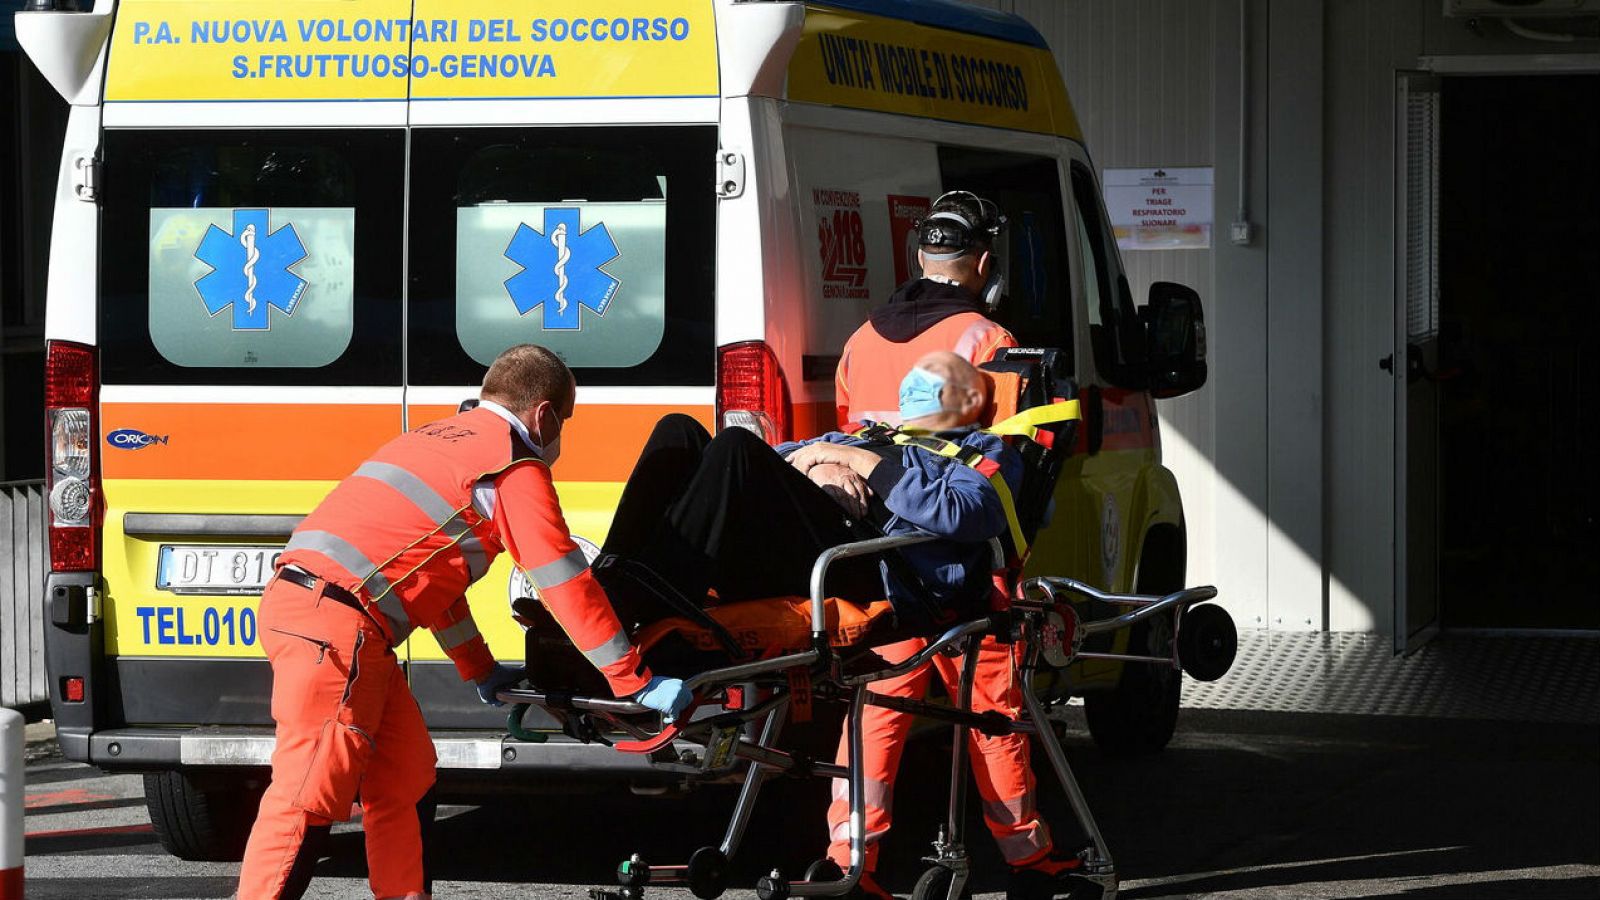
column 919, row 394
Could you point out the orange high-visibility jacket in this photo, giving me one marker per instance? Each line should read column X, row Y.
column 402, row 534
column 867, row 381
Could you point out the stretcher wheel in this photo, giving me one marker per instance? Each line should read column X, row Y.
column 1207, row 642
column 935, row 884
column 772, row 887
column 708, row 873
column 633, row 873
column 823, row 870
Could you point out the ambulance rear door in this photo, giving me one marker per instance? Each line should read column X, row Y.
column 249, row 335
column 567, row 201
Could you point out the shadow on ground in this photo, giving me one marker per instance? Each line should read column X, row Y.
column 1239, row 801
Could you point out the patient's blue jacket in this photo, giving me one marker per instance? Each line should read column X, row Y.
column 920, row 491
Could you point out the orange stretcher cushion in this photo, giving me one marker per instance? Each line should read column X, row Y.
column 774, row 626
column 1005, row 390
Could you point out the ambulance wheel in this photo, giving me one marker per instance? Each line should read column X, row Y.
column 201, row 820
column 935, row 884
column 1139, row 716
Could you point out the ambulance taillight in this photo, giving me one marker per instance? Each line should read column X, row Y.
column 72, row 478
column 751, row 393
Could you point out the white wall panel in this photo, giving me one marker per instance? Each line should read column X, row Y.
column 1154, row 83
column 1286, row 459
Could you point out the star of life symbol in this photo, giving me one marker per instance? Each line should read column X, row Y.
column 561, row 269
column 251, row 269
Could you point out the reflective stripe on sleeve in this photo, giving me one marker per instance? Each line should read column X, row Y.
column 477, row 558
column 559, row 572
column 612, row 651
column 453, row 636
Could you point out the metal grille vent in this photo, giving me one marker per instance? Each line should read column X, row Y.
column 1422, row 214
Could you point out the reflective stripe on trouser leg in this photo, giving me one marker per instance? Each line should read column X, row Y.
column 884, row 734
column 1000, row 763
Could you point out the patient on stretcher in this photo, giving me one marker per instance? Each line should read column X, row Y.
column 717, row 520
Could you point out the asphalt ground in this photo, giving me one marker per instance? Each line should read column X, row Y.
column 1241, row 805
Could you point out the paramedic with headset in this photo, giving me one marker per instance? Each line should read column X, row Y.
column 394, row 546
column 961, row 253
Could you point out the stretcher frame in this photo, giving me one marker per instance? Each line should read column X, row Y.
column 1042, row 610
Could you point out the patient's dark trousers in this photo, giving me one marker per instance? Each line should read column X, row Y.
column 729, row 514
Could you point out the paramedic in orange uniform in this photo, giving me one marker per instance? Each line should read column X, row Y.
column 394, row 547
column 945, row 309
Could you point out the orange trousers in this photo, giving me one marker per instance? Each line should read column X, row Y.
column 346, row 725
column 1000, row 764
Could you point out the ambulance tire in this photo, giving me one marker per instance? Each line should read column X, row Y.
column 1139, row 716
column 207, row 822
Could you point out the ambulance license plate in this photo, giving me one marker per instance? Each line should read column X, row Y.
column 215, row 569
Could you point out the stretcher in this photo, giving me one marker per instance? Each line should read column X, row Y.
column 791, row 653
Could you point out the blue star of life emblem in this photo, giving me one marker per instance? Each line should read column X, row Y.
column 250, row 269
column 561, row 269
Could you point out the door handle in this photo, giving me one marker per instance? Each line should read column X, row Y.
column 1387, row 363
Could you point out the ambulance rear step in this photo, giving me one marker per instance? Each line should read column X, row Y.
column 464, row 752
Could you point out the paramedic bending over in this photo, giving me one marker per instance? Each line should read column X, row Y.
column 393, row 547
column 733, row 515
column 946, row 309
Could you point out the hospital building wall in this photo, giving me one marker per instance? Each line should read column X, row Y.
column 1286, row 458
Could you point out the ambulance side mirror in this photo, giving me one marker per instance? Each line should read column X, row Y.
column 1175, row 336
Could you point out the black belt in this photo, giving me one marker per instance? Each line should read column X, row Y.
column 330, row 590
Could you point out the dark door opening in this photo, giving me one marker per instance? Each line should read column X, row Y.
column 1516, row 371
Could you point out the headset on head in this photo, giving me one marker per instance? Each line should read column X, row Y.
column 948, row 228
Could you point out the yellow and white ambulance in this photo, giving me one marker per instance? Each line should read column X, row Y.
column 286, row 231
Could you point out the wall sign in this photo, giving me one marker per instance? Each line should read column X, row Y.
column 1160, row 209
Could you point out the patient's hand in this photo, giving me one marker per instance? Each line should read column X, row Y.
column 860, row 461
column 847, row 489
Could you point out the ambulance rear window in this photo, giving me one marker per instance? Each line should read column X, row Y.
column 252, row 257
column 595, row 242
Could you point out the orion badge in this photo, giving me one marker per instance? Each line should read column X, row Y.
column 251, row 269
column 561, row 269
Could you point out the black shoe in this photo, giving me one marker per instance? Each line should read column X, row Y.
column 1056, row 874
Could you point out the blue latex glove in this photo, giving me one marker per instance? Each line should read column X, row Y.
column 502, row 676
column 666, row 696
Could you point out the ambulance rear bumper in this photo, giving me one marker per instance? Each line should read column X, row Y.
column 481, row 754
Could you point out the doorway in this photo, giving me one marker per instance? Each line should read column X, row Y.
column 1514, row 363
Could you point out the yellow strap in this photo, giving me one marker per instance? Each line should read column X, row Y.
column 927, row 442
column 1004, row 490
column 1027, row 422
column 954, row 450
